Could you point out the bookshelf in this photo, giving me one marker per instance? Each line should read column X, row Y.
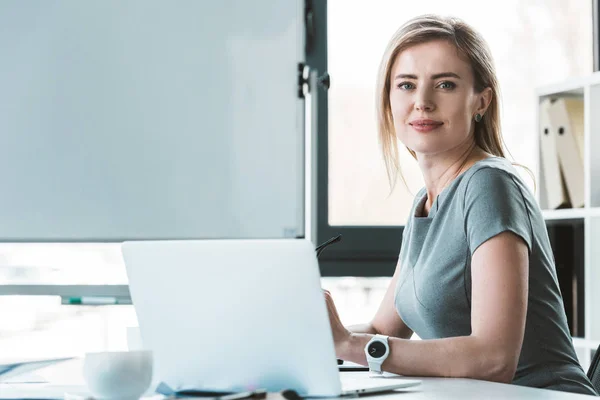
column 577, row 228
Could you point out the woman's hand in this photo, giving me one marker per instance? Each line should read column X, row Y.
column 341, row 335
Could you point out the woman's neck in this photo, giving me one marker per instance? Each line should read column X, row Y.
column 440, row 170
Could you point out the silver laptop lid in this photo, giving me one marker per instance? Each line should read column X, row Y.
column 233, row 314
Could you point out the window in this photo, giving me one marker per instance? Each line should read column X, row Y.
column 533, row 44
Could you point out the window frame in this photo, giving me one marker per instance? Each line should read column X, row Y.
column 365, row 251
column 66, row 292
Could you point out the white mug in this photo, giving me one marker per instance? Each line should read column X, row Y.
column 121, row 375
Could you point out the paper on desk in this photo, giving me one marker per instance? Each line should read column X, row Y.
column 46, row 391
column 41, row 391
column 27, row 377
column 9, row 370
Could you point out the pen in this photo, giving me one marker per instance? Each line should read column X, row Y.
column 95, row 300
column 199, row 394
column 322, row 246
column 256, row 394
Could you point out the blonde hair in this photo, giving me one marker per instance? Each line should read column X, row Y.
column 473, row 47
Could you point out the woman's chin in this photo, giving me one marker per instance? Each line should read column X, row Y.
column 427, row 150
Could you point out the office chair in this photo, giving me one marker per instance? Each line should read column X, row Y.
column 594, row 371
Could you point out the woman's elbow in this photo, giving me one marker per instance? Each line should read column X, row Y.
column 505, row 374
column 499, row 368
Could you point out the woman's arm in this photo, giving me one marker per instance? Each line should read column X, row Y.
column 499, row 269
column 386, row 320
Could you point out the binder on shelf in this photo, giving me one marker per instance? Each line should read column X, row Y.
column 574, row 106
column 564, row 126
column 556, row 194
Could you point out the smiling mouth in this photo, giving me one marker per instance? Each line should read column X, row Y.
column 425, row 126
column 426, row 123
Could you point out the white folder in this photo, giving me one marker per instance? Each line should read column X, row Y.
column 556, row 195
column 574, row 107
column 571, row 163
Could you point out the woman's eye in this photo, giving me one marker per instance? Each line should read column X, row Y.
column 405, row 86
column 447, row 85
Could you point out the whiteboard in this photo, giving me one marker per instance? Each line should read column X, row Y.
column 128, row 120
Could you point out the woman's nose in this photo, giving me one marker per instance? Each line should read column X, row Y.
column 424, row 106
column 423, row 101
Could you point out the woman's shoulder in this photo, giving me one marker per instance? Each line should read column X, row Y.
column 494, row 179
column 491, row 171
column 491, row 164
column 496, row 183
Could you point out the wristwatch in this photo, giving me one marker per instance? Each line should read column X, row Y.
column 377, row 350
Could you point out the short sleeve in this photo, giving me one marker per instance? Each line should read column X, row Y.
column 494, row 203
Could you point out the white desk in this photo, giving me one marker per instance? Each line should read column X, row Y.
column 465, row 389
column 442, row 388
column 430, row 388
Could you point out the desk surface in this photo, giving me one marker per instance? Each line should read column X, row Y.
column 465, row 389
column 430, row 388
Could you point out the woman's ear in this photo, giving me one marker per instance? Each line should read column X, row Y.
column 484, row 100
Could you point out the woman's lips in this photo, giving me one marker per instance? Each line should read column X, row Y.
column 425, row 125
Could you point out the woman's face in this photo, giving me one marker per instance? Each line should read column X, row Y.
column 433, row 99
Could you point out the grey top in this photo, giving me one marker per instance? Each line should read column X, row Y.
column 433, row 294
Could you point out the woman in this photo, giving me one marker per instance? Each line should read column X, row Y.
column 475, row 277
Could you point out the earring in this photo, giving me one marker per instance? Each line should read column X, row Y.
column 478, row 117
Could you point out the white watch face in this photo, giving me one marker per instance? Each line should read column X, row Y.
column 376, row 349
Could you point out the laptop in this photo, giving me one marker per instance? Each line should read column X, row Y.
column 239, row 315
